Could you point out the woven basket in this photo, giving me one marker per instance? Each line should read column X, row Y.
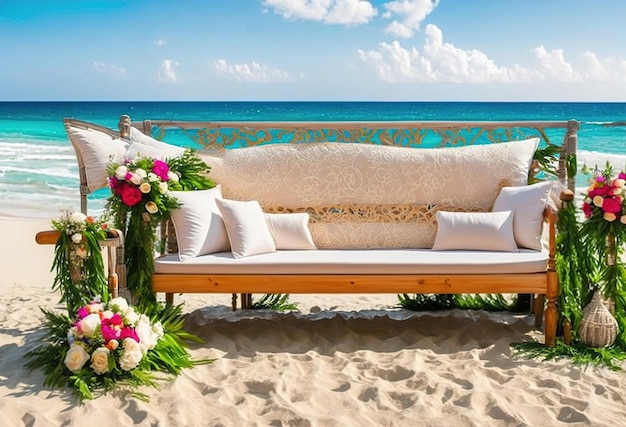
column 598, row 327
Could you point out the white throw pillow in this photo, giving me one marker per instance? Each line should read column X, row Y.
column 527, row 204
column 199, row 226
column 246, row 226
column 482, row 231
column 97, row 149
column 145, row 145
column 290, row 230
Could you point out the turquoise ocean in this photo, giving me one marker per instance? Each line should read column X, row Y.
column 39, row 173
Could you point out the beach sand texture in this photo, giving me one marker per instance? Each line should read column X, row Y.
column 346, row 360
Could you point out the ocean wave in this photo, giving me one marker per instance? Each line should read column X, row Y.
column 597, row 158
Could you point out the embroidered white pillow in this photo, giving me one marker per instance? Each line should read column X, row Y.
column 290, row 230
column 246, row 226
column 481, row 231
column 527, row 204
column 97, row 150
column 199, row 226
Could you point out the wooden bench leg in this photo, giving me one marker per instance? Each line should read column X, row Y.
column 234, row 301
column 169, row 297
column 538, row 304
column 552, row 313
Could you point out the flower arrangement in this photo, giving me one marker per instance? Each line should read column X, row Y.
column 112, row 336
column 606, row 197
column 78, row 258
column 141, row 199
column 107, row 345
column 604, row 235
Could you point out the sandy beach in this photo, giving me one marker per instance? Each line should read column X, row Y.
column 343, row 360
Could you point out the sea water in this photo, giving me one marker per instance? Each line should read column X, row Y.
column 39, row 172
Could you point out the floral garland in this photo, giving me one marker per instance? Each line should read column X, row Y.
column 604, row 233
column 140, row 200
column 78, row 259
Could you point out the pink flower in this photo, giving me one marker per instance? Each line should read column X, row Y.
column 600, row 191
column 113, row 182
column 83, row 312
column 161, row 169
column 128, row 332
column 587, row 210
column 130, row 195
column 621, row 175
column 612, row 205
column 111, row 328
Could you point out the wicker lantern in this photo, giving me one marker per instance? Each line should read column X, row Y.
column 598, row 327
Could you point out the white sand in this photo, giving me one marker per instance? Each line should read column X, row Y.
column 357, row 362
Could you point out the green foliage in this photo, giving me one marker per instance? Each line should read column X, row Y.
column 78, row 266
column 433, row 302
column 574, row 266
column 577, row 352
column 276, row 302
column 547, row 158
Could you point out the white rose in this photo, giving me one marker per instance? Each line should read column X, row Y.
column 141, row 173
column 130, row 360
column 76, row 358
column 107, row 314
column 152, row 177
column 77, row 237
column 173, row 176
column 135, row 179
column 147, row 337
column 157, row 328
column 121, row 172
column 620, row 183
column 145, row 187
column 89, row 324
column 131, row 356
column 119, row 304
column 131, row 316
column 163, row 187
column 100, row 360
column 78, row 218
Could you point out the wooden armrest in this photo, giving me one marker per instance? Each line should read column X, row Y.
column 50, row 237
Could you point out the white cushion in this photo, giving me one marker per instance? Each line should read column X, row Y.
column 527, row 204
column 199, row 226
column 290, row 230
column 246, row 226
column 483, row 231
column 357, row 261
column 143, row 145
column 97, row 150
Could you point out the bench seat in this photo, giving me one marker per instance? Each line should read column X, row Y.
column 372, row 261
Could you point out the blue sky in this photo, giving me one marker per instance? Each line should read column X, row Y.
column 400, row 50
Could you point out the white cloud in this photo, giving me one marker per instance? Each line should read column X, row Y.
column 442, row 62
column 254, row 72
column 411, row 14
column 159, row 43
column 344, row 12
column 110, row 69
column 553, row 66
column 166, row 71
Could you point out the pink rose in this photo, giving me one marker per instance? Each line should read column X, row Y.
column 600, row 191
column 587, row 210
column 130, row 195
column 612, row 205
column 113, row 182
column 161, row 169
column 621, row 175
